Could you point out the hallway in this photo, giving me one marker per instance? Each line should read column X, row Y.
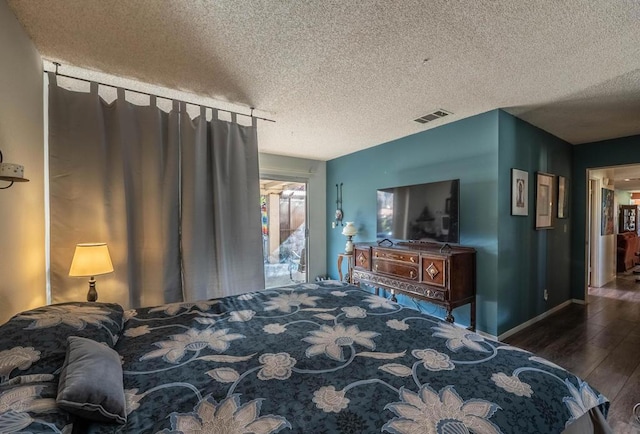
column 599, row 342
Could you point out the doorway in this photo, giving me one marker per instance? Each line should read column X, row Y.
column 621, row 185
column 283, row 205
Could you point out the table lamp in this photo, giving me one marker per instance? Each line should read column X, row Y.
column 349, row 230
column 90, row 260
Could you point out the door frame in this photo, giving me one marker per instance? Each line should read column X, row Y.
column 305, row 181
column 592, row 253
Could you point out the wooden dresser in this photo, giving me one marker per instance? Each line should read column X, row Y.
column 439, row 273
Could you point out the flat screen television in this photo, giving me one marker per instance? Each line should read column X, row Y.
column 421, row 212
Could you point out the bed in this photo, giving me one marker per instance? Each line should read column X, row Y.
column 311, row 358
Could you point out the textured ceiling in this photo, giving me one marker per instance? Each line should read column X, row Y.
column 339, row 76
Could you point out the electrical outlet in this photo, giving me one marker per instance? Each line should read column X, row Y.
column 546, row 295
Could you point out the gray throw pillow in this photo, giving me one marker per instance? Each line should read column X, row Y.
column 91, row 382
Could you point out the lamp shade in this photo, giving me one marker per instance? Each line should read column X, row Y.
column 91, row 260
column 349, row 229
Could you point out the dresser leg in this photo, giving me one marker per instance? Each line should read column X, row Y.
column 393, row 297
column 472, row 327
column 449, row 317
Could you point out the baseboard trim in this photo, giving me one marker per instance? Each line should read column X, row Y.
column 578, row 301
column 487, row 335
column 534, row 320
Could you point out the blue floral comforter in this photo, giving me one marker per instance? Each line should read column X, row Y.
column 331, row 358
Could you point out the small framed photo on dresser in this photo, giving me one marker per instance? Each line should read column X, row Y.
column 519, row 192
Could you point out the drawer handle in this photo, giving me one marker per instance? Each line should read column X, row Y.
column 376, row 267
column 412, row 274
column 413, row 259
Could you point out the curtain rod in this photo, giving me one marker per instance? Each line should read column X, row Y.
column 157, row 96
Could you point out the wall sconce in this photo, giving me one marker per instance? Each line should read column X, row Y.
column 11, row 173
column 339, row 214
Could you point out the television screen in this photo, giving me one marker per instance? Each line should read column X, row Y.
column 422, row 212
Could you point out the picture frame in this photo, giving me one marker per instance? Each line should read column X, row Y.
column 606, row 219
column 519, row 192
column 563, row 197
column 544, row 200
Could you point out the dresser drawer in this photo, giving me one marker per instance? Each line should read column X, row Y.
column 362, row 257
column 396, row 255
column 434, row 271
column 396, row 269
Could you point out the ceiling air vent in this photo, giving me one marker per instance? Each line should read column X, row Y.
column 432, row 116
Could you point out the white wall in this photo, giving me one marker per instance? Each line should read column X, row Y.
column 604, row 245
column 623, row 197
column 313, row 172
column 22, row 224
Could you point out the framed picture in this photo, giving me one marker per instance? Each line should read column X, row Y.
column 544, row 200
column 519, row 192
column 607, row 212
column 563, row 197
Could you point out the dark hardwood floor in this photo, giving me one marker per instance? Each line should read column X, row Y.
column 599, row 342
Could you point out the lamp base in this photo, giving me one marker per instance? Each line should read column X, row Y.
column 348, row 248
column 92, row 295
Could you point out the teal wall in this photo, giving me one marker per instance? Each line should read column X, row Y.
column 591, row 155
column 468, row 150
column 515, row 263
column 530, row 260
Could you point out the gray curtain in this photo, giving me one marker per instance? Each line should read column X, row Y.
column 221, row 234
column 115, row 178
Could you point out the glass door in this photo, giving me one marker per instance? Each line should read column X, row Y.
column 283, row 207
